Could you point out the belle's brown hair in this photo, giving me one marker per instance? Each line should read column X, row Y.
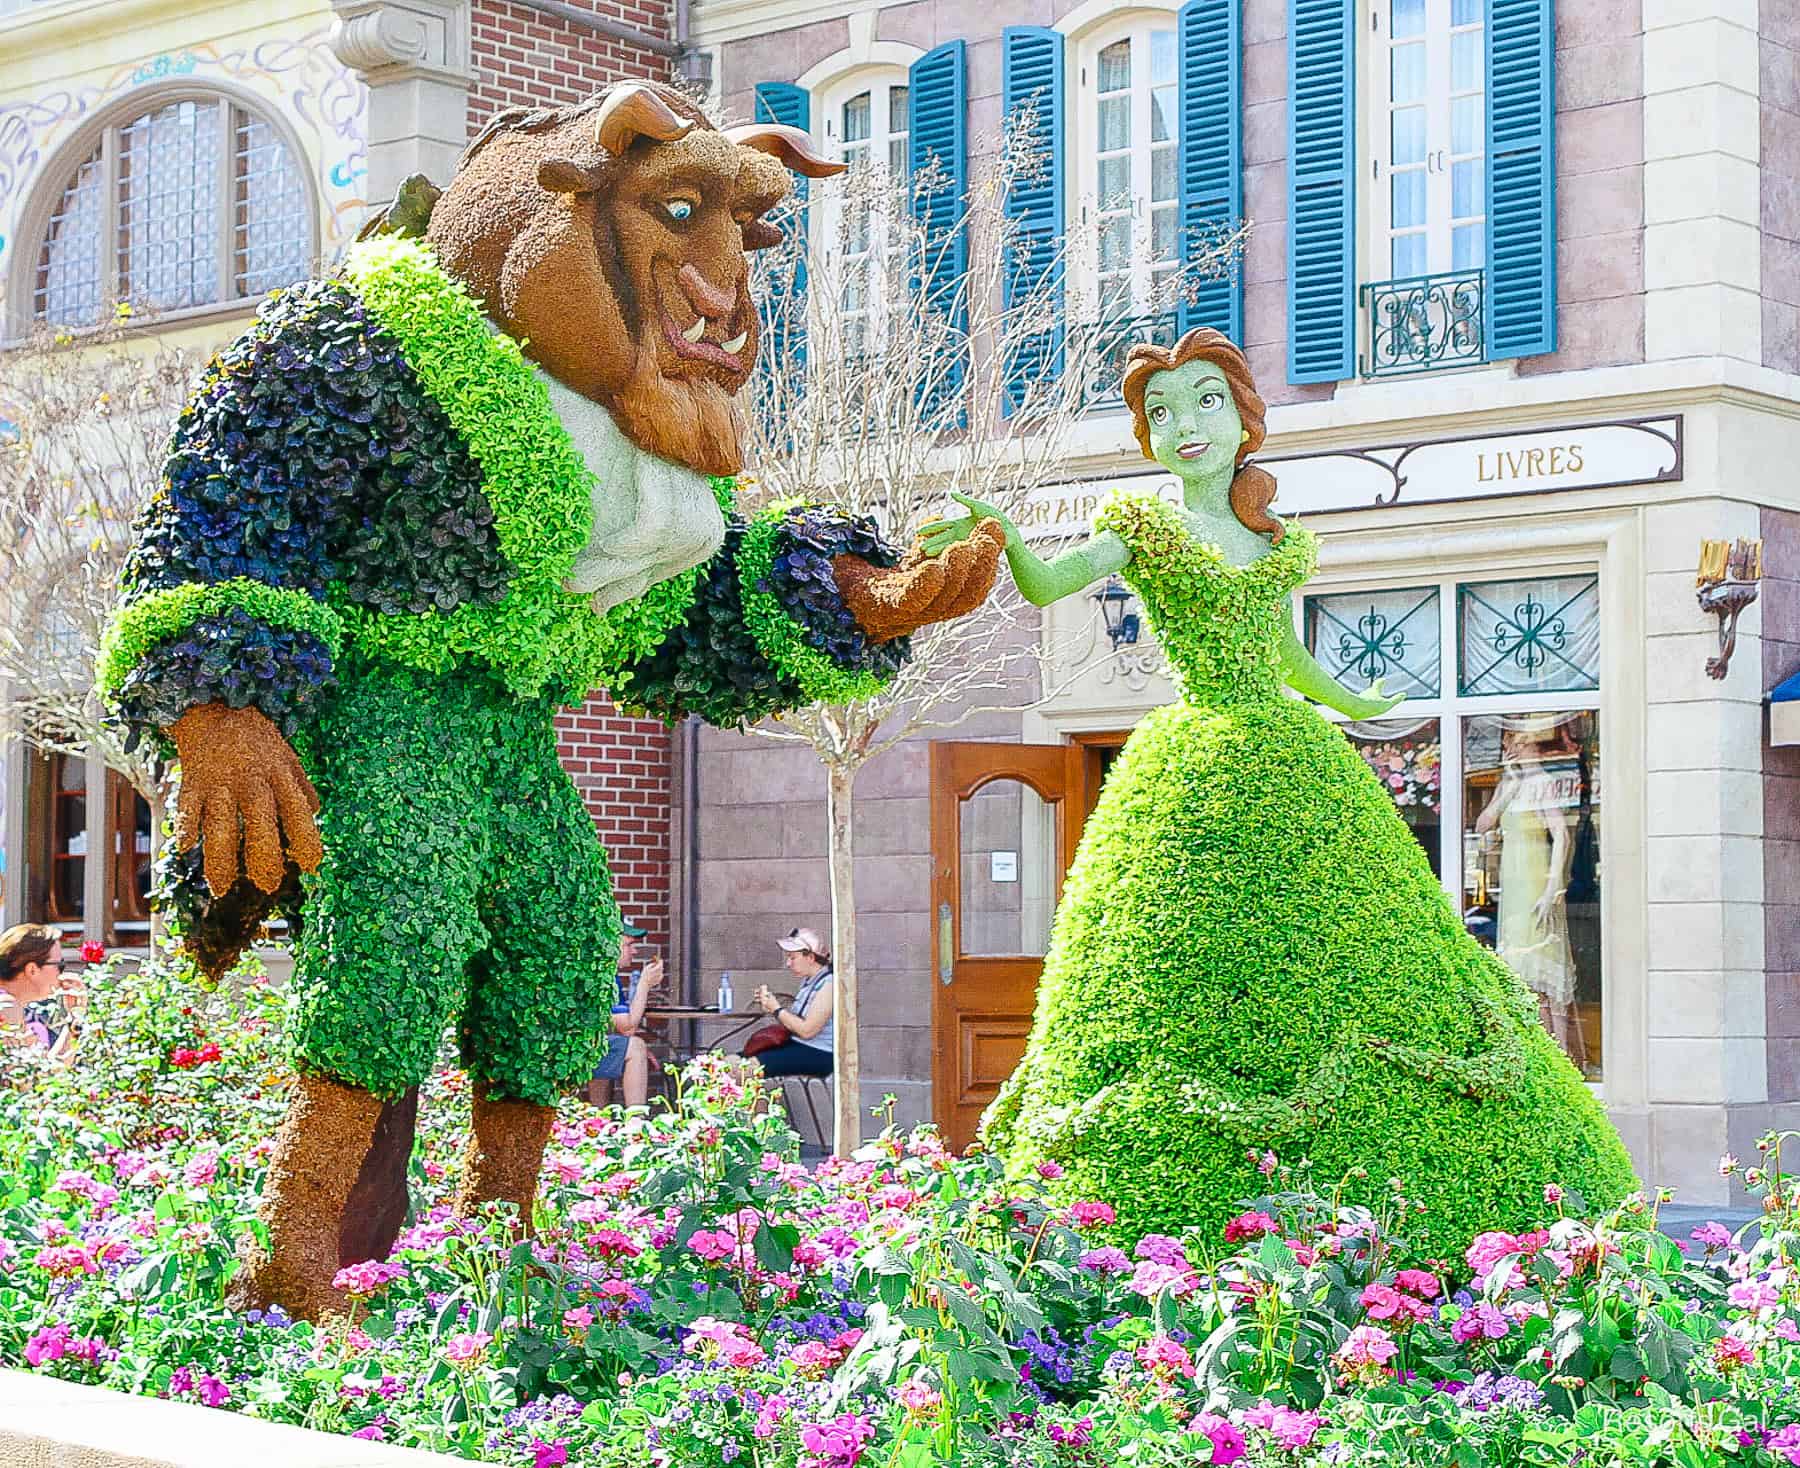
column 25, row 943
column 1251, row 488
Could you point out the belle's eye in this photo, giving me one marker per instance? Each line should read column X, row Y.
column 1212, row 401
column 679, row 209
column 1159, row 414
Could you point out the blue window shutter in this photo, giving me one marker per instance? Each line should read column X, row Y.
column 939, row 135
column 1212, row 173
column 1031, row 75
column 784, row 309
column 1321, row 189
column 1521, row 179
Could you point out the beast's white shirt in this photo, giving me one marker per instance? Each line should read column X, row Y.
column 651, row 519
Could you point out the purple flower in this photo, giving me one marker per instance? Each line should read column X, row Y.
column 1480, row 1320
column 1161, row 1249
column 1712, row 1236
column 1108, row 1260
column 212, row 1392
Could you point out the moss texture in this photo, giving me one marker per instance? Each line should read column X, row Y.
column 1252, row 952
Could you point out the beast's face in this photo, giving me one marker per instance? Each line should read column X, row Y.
column 615, row 246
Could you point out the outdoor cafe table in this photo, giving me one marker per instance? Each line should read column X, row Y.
column 691, row 1018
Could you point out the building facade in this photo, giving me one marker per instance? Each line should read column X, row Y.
column 187, row 158
column 1520, row 287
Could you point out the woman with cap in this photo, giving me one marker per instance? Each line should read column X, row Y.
column 808, row 1049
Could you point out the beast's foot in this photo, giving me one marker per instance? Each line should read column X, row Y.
column 506, row 1153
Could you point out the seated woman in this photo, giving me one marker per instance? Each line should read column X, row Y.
column 40, row 1008
column 808, row 1049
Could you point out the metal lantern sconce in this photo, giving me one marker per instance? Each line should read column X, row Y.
column 1121, row 625
column 1728, row 580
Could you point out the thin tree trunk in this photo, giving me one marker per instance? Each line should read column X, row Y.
column 847, row 1063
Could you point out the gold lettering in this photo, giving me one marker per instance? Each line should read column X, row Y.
column 1534, row 460
column 1574, row 458
column 1556, row 459
column 1481, row 474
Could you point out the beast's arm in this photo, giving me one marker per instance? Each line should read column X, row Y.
column 802, row 604
column 223, row 643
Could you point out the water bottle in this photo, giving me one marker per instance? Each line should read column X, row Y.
column 725, row 1003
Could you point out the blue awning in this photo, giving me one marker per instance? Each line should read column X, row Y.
column 1786, row 691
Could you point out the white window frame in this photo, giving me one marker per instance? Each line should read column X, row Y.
column 1085, row 205
column 1450, row 707
column 1440, row 158
column 827, row 213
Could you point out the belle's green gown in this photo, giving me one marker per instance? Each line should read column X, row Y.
column 1251, row 953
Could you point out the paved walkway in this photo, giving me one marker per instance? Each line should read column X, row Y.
column 1678, row 1220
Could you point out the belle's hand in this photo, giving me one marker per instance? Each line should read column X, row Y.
column 1374, row 701
column 938, row 536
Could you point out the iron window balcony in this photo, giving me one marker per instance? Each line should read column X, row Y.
column 1426, row 323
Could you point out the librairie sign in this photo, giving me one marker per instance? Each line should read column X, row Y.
column 1577, row 456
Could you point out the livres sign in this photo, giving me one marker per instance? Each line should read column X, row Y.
column 1578, row 456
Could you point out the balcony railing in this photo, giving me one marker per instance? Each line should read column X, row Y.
column 1424, row 324
column 1109, row 341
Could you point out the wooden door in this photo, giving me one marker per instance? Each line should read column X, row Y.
column 1005, row 819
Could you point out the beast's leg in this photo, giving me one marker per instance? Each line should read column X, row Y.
column 376, row 1211
column 506, row 1153
column 318, row 1151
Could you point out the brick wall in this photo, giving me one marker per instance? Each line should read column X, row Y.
column 622, row 768
column 525, row 58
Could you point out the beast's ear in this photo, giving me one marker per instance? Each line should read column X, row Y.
column 565, row 176
column 759, row 234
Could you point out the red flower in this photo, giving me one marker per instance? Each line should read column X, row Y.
column 93, row 951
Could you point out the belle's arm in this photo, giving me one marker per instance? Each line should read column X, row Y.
column 1302, row 673
column 1039, row 581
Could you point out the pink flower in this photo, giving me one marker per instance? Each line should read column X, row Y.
column 1291, row 1429
column 1727, row 1165
column 713, row 1244
column 1049, row 1171
column 838, row 1443
column 1107, row 1260
column 1151, row 1279
column 1420, row 1282
column 577, row 1320
column 1248, row 1226
column 1091, row 1215
column 1161, row 1249
column 549, row 1455
column 1754, row 1294
column 1381, row 1301
column 468, row 1347
column 1267, row 1163
column 1227, row 1441
column 919, row 1397
column 1480, row 1321
column 361, row 1280
column 1163, row 1355
column 1729, row 1353
column 1553, row 1194
column 1368, row 1345
column 1786, row 1443
column 724, row 1341
column 373, row 1433
column 50, row 1344
column 212, row 1392
column 181, row 1381
column 1712, row 1235
column 201, row 1170
column 1787, row 1329
column 64, row 1261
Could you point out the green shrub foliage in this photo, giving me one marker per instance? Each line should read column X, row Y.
column 1252, row 953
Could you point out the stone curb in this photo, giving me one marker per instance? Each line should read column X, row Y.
column 46, row 1423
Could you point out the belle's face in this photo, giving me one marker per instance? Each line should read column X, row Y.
column 1195, row 430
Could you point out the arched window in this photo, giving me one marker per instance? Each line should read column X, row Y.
column 1129, row 196
column 193, row 201
column 865, row 123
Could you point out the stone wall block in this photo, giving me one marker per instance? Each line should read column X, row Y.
column 1606, row 71
column 1604, row 203
column 1702, row 186
column 1598, row 266
column 1598, row 138
column 1685, row 1145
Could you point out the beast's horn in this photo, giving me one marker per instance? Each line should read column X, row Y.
column 792, row 146
column 633, row 112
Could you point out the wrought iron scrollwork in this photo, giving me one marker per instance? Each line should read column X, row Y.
column 1425, row 324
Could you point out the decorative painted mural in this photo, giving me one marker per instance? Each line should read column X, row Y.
column 298, row 76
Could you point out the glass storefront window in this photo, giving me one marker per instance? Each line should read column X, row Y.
column 1360, row 636
column 1406, row 756
column 1531, row 862
column 1540, row 636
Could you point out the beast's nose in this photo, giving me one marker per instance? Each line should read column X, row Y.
column 706, row 298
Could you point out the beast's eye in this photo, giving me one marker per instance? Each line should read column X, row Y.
column 1159, row 414
column 679, row 209
column 1212, row 401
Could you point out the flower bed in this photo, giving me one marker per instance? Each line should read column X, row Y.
column 696, row 1296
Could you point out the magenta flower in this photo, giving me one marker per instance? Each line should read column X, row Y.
column 1107, row 1260
column 1049, row 1171
column 51, row 1344
column 468, row 1347
column 838, row 1443
column 1420, row 1282
column 1227, row 1441
column 373, row 1433
column 1729, row 1353
column 212, row 1392
column 1786, row 1443
column 549, row 1455
column 1381, row 1301
column 1368, row 1345
column 1480, row 1321
column 1712, row 1235
column 1247, row 1226
column 1091, row 1215
column 364, row 1279
column 712, row 1244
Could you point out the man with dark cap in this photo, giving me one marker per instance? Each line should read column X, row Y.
column 627, row 1056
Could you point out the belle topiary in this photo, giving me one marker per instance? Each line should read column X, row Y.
column 1251, row 951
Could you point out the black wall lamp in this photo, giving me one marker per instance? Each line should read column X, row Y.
column 1121, row 625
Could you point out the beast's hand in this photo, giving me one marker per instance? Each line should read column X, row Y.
column 242, row 785
column 923, row 588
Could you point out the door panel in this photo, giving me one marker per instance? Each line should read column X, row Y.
column 1005, row 819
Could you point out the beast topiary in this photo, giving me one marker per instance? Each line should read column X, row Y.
column 1251, row 951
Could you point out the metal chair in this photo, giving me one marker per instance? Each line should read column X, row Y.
column 807, row 1085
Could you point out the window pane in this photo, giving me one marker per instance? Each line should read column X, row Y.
column 1467, row 246
column 1162, row 57
column 68, row 279
column 1162, row 115
column 1162, row 174
column 1115, row 243
column 1531, row 863
column 1465, row 125
column 1162, row 233
column 1465, row 61
column 1360, row 636
column 1408, row 190
column 856, row 119
column 271, row 235
column 1406, row 758
column 1006, row 838
column 898, row 161
column 1465, row 189
column 1115, row 123
column 1465, row 12
column 169, row 206
column 1115, row 297
column 1408, row 255
column 1409, row 18
column 1115, row 182
column 1114, row 71
column 1409, row 136
column 899, row 109
column 1530, row 636
column 1406, row 66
